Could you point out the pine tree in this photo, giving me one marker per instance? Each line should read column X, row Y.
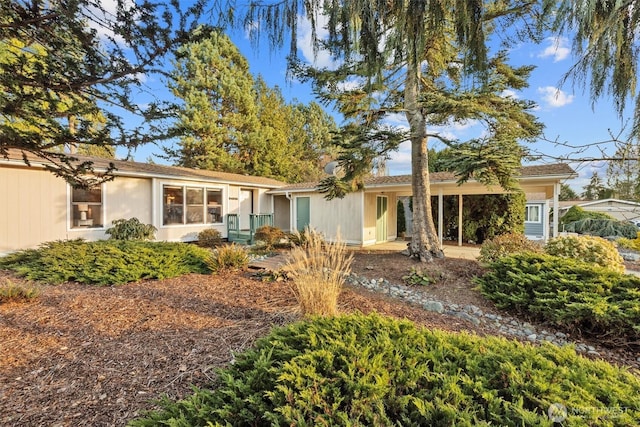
column 427, row 60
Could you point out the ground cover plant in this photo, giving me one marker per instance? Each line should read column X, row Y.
column 106, row 262
column 571, row 293
column 371, row 370
column 632, row 244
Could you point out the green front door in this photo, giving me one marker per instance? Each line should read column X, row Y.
column 381, row 219
column 302, row 213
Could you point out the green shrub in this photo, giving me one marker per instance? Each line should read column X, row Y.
column 229, row 257
column 506, row 244
column 373, row 371
column 568, row 292
column 603, row 228
column 297, row 238
column 106, row 262
column 588, row 249
column 270, row 236
column 209, row 238
column 576, row 213
column 131, row 229
column 14, row 292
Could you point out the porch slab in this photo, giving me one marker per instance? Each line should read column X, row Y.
column 451, row 250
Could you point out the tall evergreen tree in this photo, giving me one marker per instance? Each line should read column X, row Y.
column 596, row 190
column 231, row 122
column 218, row 122
column 427, row 60
column 63, row 61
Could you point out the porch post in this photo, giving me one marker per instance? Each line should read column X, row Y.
column 440, row 216
column 459, row 219
column 556, row 208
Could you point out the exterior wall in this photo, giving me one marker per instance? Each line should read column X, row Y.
column 330, row 216
column 619, row 211
column 33, row 208
column 535, row 230
column 370, row 216
column 282, row 213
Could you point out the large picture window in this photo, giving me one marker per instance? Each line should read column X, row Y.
column 86, row 208
column 191, row 205
column 532, row 213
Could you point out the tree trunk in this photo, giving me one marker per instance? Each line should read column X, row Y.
column 424, row 243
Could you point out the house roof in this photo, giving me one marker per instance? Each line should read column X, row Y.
column 560, row 170
column 603, row 202
column 129, row 168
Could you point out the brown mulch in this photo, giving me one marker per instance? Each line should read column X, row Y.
column 99, row 356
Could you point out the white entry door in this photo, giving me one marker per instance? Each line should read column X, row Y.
column 246, row 208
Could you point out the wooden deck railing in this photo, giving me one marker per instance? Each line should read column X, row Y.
column 235, row 234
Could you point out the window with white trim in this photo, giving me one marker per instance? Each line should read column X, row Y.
column 532, row 213
column 191, row 205
column 86, row 208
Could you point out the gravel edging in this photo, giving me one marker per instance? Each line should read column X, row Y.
column 503, row 324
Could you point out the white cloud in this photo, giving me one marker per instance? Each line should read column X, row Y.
column 555, row 97
column 558, row 48
column 507, row 93
column 320, row 58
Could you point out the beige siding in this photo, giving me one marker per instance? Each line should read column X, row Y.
column 127, row 198
column 370, row 210
column 32, row 208
column 329, row 216
column 282, row 212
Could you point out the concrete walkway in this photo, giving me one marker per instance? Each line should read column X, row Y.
column 450, row 250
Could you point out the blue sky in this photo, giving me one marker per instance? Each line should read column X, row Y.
column 565, row 111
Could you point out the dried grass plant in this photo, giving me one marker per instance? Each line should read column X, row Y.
column 318, row 270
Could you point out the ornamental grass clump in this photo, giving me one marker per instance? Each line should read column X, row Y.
column 318, row 270
column 231, row 257
column 590, row 249
column 16, row 292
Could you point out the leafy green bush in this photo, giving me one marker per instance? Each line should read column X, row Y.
column 588, row 249
column 297, row 238
column 417, row 277
column 506, row 244
column 131, row 229
column 603, row 228
column 270, row 236
column 14, row 292
column 568, row 292
column 401, row 219
column 373, row 371
column 106, row 262
column 576, row 213
column 229, row 257
column 209, row 238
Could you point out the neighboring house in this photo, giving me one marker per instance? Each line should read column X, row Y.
column 368, row 217
column 623, row 210
column 36, row 206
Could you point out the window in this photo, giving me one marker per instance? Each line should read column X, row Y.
column 191, row 205
column 214, row 206
column 86, row 208
column 532, row 213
